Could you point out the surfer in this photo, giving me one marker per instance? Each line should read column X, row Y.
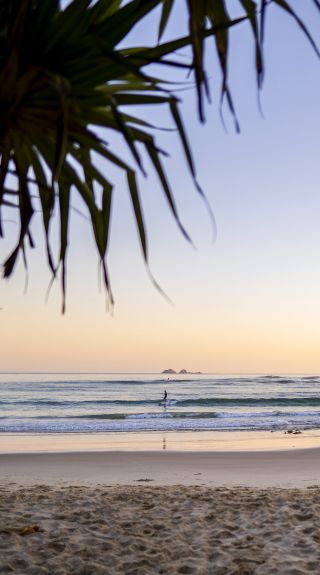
column 163, row 401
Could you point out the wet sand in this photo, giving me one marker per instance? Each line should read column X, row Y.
column 158, row 441
column 280, row 468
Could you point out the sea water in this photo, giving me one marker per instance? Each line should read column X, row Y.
column 84, row 403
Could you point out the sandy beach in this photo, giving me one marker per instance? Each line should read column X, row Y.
column 150, row 512
column 143, row 530
column 251, row 459
column 282, row 468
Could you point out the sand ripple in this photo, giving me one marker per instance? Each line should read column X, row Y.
column 146, row 530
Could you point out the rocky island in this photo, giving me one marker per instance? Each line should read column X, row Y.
column 182, row 371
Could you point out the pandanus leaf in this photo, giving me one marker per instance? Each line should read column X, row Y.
column 69, row 80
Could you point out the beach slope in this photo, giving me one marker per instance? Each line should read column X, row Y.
column 143, row 530
column 278, row 468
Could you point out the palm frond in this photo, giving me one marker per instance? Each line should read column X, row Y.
column 211, row 18
column 65, row 73
column 62, row 76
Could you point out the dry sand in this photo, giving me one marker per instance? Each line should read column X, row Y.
column 152, row 512
column 143, row 530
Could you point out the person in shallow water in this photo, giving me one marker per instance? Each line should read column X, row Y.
column 165, row 395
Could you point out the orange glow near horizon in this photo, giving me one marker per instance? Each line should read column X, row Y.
column 152, row 336
column 248, row 303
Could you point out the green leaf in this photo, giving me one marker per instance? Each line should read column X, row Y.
column 25, row 209
column 126, row 131
column 166, row 11
column 250, row 8
column 166, row 188
column 115, row 28
column 46, row 195
column 285, row 6
column 64, row 207
column 138, row 212
column 3, row 174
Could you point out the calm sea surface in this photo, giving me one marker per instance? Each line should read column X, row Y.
column 87, row 403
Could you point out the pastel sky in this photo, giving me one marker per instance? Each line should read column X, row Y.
column 250, row 301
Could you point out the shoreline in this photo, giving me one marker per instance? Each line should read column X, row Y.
column 158, row 441
column 212, row 459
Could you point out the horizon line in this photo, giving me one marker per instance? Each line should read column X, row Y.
column 20, row 372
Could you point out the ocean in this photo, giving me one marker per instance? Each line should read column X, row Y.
column 92, row 403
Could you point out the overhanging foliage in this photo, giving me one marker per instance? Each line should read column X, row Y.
column 63, row 74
